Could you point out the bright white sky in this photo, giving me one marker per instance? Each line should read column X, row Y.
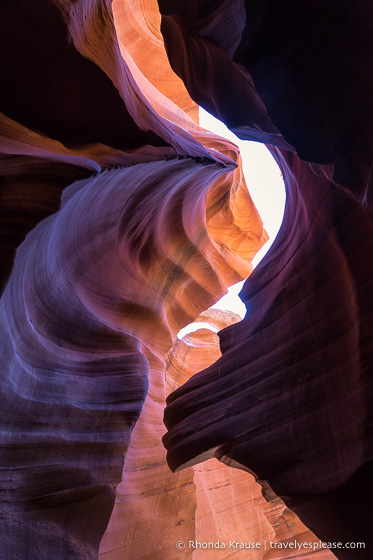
column 266, row 187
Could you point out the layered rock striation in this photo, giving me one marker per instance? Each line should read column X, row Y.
column 290, row 396
column 104, row 280
column 123, row 220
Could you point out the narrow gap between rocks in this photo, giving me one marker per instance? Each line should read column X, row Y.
column 266, row 187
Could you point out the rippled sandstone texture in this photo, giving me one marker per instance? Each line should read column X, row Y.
column 290, row 396
column 153, row 227
column 155, row 222
column 230, row 504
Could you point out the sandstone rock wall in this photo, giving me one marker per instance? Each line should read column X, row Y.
column 123, row 220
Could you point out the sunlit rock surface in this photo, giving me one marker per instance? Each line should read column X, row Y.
column 129, row 221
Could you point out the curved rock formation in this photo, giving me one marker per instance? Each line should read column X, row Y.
column 155, row 222
column 91, row 305
column 289, row 397
column 229, row 502
column 290, row 412
column 301, row 69
column 92, row 277
column 71, row 107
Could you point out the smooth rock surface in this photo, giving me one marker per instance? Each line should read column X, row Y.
column 122, row 220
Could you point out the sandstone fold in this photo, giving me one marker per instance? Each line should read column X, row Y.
column 123, row 221
column 231, row 504
column 71, row 107
column 150, row 232
column 94, row 301
column 299, row 77
column 295, row 411
column 289, row 398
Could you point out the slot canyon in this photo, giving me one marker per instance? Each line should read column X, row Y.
column 123, row 220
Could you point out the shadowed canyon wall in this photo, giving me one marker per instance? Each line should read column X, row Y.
column 123, row 221
column 295, row 374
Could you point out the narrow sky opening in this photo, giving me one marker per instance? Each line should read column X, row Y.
column 266, row 187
